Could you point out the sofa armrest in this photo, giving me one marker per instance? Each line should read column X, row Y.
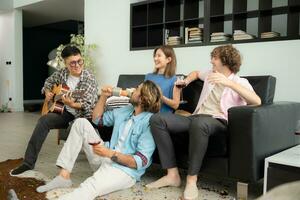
column 258, row 132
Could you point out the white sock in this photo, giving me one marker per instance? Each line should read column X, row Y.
column 12, row 195
column 57, row 182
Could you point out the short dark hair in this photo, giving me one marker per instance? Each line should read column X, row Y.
column 229, row 56
column 70, row 51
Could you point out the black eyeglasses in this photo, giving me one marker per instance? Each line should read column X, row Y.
column 79, row 62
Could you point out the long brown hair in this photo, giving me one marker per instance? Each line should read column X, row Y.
column 171, row 66
column 150, row 97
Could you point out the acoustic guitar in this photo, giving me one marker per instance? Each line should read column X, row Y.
column 55, row 104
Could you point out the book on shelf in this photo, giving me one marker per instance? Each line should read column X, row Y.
column 219, row 34
column 270, row 34
column 174, row 40
column 219, row 37
column 242, row 35
column 193, row 34
column 166, row 36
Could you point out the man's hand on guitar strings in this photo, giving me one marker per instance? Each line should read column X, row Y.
column 67, row 100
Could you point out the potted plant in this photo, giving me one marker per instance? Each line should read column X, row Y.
column 78, row 41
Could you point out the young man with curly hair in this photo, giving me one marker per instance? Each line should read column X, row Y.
column 222, row 89
column 118, row 164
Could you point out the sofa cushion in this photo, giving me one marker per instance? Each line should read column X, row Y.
column 116, row 102
column 191, row 94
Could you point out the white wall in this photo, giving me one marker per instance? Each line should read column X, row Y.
column 6, row 4
column 11, row 76
column 107, row 25
column 20, row 3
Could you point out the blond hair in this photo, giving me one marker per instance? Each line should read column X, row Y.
column 150, row 97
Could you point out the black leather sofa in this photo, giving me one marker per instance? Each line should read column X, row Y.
column 255, row 132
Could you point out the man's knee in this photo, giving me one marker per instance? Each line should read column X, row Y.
column 80, row 122
column 156, row 119
column 43, row 119
column 200, row 126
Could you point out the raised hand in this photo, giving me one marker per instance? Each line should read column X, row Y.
column 106, row 91
column 219, row 78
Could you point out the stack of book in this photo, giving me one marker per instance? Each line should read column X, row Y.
column 174, row 40
column 242, row 35
column 193, row 35
column 219, row 37
column 270, row 34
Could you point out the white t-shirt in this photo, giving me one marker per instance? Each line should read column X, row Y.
column 123, row 136
column 211, row 106
column 72, row 83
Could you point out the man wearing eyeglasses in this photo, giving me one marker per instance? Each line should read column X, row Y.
column 75, row 78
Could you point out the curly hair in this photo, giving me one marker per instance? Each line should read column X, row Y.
column 171, row 66
column 150, row 97
column 229, row 56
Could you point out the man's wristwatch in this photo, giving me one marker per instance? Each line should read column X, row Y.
column 114, row 157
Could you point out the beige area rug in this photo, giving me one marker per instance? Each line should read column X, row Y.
column 207, row 190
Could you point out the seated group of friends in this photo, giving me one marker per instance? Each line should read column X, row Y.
column 145, row 124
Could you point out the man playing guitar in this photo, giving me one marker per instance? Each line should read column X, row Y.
column 76, row 79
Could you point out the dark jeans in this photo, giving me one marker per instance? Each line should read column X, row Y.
column 45, row 123
column 199, row 128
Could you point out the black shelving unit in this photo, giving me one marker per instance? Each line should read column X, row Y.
column 152, row 21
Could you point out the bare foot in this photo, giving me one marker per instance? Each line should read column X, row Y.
column 190, row 191
column 165, row 181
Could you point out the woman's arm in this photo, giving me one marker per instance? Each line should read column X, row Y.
column 173, row 103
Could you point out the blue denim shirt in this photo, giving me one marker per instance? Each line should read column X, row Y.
column 139, row 142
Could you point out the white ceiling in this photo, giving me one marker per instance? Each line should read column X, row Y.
column 50, row 11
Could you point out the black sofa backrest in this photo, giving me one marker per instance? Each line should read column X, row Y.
column 264, row 86
column 130, row 80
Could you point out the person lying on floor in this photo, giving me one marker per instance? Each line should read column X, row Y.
column 119, row 163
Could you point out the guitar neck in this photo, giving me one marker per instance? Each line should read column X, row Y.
column 70, row 94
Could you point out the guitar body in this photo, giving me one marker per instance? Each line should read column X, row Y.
column 55, row 105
